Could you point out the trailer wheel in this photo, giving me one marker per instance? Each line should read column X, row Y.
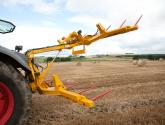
column 15, row 97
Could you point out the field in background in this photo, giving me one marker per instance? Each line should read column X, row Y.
column 137, row 97
column 43, row 59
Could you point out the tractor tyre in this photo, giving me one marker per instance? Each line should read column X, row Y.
column 15, row 96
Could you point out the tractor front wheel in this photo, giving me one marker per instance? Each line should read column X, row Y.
column 15, row 97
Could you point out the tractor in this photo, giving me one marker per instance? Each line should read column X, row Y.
column 21, row 75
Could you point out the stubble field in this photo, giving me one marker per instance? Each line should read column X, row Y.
column 137, row 97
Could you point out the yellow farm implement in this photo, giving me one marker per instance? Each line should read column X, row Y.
column 74, row 39
column 16, row 87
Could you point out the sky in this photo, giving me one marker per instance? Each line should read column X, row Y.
column 41, row 23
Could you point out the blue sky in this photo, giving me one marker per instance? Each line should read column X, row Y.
column 41, row 22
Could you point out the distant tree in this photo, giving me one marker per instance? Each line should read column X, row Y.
column 135, row 57
column 58, row 59
column 150, row 57
column 82, row 57
column 49, row 59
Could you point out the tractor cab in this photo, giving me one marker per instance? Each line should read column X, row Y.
column 6, row 27
column 14, row 57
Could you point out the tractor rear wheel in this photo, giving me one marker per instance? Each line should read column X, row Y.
column 15, row 97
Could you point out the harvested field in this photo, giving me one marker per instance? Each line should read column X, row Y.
column 137, row 97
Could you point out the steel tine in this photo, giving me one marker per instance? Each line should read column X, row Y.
column 101, row 95
column 138, row 20
column 83, row 91
column 122, row 24
column 72, row 86
column 108, row 27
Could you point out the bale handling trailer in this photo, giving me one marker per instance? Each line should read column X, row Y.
column 16, row 87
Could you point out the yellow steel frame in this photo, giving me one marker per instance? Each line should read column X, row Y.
column 74, row 39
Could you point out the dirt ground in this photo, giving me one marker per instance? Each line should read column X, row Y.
column 137, row 97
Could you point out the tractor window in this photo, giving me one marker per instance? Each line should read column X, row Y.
column 6, row 27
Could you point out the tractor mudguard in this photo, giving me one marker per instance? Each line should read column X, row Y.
column 15, row 57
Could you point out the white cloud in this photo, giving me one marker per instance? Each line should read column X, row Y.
column 32, row 37
column 151, row 27
column 105, row 47
column 41, row 6
column 86, row 13
column 87, row 20
column 115, row 11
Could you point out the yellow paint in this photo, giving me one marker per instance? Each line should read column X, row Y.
column 74, row 39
